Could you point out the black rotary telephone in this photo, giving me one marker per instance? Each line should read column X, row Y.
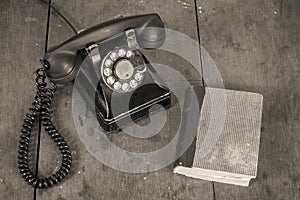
column 112, row 49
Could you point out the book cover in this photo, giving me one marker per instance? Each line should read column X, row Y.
column 226, row 148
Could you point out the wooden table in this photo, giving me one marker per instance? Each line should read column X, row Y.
column 255, row 44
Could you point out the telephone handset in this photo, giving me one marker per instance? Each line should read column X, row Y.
column 62, row 58
column 122, row 72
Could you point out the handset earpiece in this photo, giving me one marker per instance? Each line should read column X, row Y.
column 62, row 58
column 150, row 37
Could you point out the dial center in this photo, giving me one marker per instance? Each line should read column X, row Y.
column 124, row 69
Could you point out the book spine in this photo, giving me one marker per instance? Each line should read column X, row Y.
column 187, row 158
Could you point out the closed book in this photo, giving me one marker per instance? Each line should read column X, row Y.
column 228, row 136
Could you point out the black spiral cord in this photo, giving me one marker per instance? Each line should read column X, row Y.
column 41, row 110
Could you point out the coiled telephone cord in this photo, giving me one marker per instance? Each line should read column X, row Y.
column 41, row 110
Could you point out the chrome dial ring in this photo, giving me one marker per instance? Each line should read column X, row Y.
column 122, row 70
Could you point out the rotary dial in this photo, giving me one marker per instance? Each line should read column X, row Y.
column 123, row 70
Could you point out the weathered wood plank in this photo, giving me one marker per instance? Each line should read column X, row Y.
column 22, row 36
column 256, row 45
column 90, row 179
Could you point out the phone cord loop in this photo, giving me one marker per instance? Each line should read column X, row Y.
column 41, row 110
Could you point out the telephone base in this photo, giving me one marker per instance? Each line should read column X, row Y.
column 116, row 124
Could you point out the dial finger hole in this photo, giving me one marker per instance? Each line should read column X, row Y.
column 117, row 86
column 108, row 63
column 125, row 87
column 122, row 53
column 107, row 72
column 129, row 54
column 114, row 56
column 110, row 80
column 138, row 76
column 133, row 83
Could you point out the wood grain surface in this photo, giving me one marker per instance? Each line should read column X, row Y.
column 256, row 47
column 22, row 36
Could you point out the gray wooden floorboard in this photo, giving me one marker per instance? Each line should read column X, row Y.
column 22, row 36
column 256, row 45
column 89, row 178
